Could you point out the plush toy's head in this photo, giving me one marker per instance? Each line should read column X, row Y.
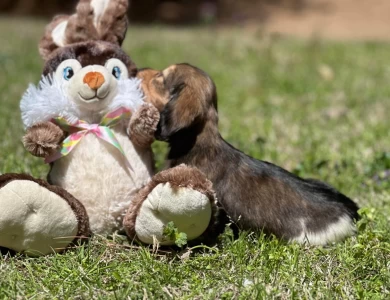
column 84, row 53
column 86, row 72
column 89, row 72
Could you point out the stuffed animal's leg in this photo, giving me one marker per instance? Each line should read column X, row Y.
column 37, row 218
column 181, row 195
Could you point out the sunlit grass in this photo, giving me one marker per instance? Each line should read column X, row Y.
column 319, row 109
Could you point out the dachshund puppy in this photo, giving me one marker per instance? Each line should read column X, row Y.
column 255, row 194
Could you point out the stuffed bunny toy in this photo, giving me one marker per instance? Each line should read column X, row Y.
column 88, row 119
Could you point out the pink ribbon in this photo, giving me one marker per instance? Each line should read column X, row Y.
column 81, row 128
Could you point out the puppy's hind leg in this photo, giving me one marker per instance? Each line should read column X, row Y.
column 328, row 215
column 337, row 231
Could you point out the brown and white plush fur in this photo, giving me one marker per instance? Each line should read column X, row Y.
column 37, row 218
column 94, row 172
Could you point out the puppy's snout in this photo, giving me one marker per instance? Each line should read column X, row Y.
column 94, row 80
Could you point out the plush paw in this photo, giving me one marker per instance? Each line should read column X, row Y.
column 181, row 195
column 189, row 210
column 143, row 125
column 43, row 139
column 36, row 218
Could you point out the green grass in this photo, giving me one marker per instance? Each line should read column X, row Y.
column 317, row 108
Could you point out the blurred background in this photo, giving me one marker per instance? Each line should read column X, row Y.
column 329, row 18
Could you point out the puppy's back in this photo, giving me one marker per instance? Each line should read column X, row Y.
column 260, row 195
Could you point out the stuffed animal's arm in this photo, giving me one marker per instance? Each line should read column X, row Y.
column 43, row 139
column 143, row 125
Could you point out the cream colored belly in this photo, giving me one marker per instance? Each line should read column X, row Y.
column 96, row 174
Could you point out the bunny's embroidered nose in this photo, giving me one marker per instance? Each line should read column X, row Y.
column 94, row 80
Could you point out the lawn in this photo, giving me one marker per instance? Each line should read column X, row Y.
column 317, row 108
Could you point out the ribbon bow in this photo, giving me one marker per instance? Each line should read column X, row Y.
column 81, row 128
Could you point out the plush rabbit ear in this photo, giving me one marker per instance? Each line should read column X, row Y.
column 54, row 36
column 110, row 19
column 104, row 20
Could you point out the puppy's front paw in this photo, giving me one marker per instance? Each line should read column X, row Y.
column 43, row 139
column 143, row 125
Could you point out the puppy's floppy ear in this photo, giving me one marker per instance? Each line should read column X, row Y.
column 185, row 109
column 104, row 20
column 192, row 100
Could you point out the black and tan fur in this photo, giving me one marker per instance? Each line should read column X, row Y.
column 255, row 194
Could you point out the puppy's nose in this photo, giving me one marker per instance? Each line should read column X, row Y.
column 94, row 80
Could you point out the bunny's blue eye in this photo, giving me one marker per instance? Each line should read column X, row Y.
column 68, row 73
column 117, row 72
